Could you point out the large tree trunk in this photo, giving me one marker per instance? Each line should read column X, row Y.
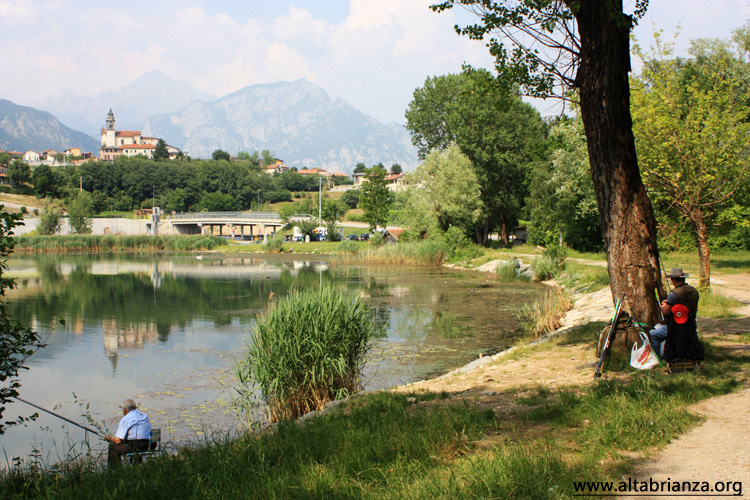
column 701, row 239
column 627, row 220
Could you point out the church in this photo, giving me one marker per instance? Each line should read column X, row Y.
column 116, row 143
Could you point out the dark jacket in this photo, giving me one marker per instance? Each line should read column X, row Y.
column 682, row 339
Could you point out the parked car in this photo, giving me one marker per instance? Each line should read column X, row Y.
column 364, row 236
column 318, row 237
column 352, row 237
column 298, row 237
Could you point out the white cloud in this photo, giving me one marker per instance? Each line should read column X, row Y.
column 374, row 58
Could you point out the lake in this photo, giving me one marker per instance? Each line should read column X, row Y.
column 166, row 331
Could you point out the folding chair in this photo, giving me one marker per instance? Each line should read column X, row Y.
column 154, row 448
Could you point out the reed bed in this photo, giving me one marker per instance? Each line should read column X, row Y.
column 422, row 253
column 546, row 316
column 98, row 243
column 306, row 351
column 348, row 247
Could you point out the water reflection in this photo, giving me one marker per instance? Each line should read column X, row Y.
column 166, row 329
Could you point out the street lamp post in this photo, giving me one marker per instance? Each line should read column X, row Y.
column 320, row 199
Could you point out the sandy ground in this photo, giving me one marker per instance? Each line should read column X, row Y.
column 716, row 451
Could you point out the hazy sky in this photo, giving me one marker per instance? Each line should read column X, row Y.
column 372, row 53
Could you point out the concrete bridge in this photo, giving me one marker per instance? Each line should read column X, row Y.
column 244, row 225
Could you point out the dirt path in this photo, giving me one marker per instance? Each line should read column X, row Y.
column 718, row 450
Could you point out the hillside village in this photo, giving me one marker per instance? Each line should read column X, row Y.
column 130, row 143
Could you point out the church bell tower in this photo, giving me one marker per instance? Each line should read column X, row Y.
column 110, row 120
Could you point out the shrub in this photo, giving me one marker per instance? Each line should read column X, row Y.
column 454, row 239
column 24, row 210
column 275, row 245
column 377, row 238
column 558, row 254
column 51, row 219
column 508, row 269
column 544, row 268
column 306, row 351
column 355, row 217
column 348, row 246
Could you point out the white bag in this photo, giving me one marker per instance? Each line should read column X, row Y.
column 643, row 358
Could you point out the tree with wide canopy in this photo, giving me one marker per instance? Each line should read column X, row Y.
column 555, row 48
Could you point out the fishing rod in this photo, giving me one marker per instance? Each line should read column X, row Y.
column 60, row 416
column 618, row 305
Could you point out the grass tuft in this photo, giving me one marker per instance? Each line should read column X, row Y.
column 306, row 351
column 543, row 317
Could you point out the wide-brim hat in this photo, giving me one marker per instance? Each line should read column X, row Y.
column 677, row 272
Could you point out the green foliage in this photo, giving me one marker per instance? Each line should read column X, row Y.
column 396, row 169
column 360, row 168
column 376, row 197
column 307, row 350
column 348, row 247
column 95, row 243
column 422, row 253
column 80, row 209
column 217, row 202
column 444, row 192
column 307, row 227
column 377, row 239
column 546, row 316
column 455, row 239
column 19, row 173
column 508, row 269
column 46, row 181
column 502, row 137
column 558, row 254
column 17, row 341
column 351, row 198
column 51, row 218
column 160, row 151
column 274, row 245
column 544, row 268
column 220, row 155
column 691, row 122
column 562, row 200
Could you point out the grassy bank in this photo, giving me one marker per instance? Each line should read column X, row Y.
column 95, row 243
column 532, row 444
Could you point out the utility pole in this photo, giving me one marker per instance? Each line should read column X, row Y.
column 320, row 199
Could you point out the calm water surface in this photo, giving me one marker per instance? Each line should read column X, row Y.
column 166, row 330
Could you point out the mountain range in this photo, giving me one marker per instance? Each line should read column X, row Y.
column 23, row 128
column 297, row 121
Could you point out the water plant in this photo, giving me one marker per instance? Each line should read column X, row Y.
column 307, row 350
column 425, row 252
column 546, row 316
column 96, row 243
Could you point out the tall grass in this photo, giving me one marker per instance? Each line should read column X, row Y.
column 348, row 247
column 394, row 446
column 274, row 245
column 546, row 316
column 715, row 305
column 425, row 253
column 96, row 243
column 306, row 351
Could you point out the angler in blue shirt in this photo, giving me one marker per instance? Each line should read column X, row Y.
column 132, row 434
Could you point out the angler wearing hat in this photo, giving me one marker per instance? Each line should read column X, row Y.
column 680, row 337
